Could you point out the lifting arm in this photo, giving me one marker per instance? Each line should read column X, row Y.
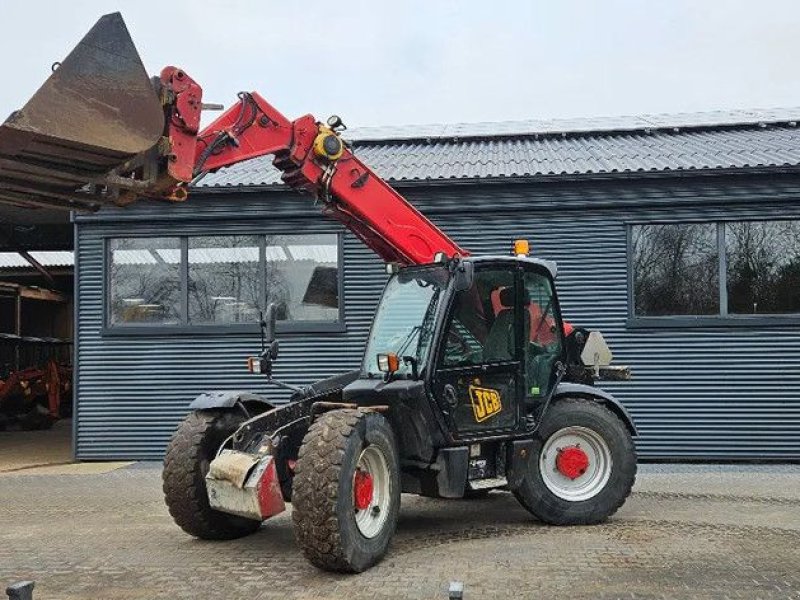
column 311, row 157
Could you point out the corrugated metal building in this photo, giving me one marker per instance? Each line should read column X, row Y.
column 674, row 235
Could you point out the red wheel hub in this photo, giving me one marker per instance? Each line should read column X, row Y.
column 572, row 462
column 362, row 489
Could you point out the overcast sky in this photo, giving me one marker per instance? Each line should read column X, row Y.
column 426, row 61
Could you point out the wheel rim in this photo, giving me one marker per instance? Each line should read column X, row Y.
column 371, row 491
column 575, row 463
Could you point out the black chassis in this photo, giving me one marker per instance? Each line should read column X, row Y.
column 434, row 461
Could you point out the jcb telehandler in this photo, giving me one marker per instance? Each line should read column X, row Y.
column 469, row 380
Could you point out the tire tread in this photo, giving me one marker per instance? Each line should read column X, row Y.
column 184, row 484
column 315, row 489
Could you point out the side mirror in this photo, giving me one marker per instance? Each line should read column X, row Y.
column 268, row 324
column 463, row 275
column 269, row 345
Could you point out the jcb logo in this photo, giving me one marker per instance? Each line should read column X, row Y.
column 485, row 402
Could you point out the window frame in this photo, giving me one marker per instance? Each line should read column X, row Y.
column 186, row 328
column 723, row 318
column 450, row 315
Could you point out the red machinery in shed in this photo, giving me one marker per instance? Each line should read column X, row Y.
column 35, row 371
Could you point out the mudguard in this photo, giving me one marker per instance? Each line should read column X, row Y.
column 452, row 468
column 228, row 399
column 567, row 389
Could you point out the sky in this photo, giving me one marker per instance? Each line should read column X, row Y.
column 410, row 62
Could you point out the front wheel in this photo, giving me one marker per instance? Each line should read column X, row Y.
column 192, row 448
column 583, row 467
column 346, row 490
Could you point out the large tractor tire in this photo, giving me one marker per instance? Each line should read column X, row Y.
column 583, row 466
column 346, row 490
column 193, row 446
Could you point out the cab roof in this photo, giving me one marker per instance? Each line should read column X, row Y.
column 549, row 265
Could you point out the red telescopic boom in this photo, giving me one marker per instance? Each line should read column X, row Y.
column 311, row 157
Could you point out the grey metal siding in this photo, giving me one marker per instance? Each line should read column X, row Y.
column 709, row 393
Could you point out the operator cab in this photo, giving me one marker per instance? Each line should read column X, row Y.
column 484, row 334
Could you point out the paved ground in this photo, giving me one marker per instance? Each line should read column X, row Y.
column 25, row 449
column 687, row 532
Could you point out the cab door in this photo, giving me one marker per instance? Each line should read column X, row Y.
column 477, row 383
column 543, row 343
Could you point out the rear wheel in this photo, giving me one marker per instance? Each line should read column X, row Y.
column 346, row 490
column 583, row 468
column 193, row 446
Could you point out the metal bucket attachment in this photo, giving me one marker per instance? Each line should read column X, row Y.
column 95, row 113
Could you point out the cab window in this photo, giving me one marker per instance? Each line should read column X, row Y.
column 482, row 327
column 543, row 336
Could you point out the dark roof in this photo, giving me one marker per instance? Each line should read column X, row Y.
column 536, row 149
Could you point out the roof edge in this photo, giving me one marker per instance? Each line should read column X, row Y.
column 530, row 179
column 579, row 127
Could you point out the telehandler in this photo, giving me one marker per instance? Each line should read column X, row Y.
column 470, row 380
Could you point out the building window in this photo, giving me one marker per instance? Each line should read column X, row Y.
column 302, row 276
column 675, row 269
column 224, row 280
column 763, row 267
column 729, row 269
column 144, row 277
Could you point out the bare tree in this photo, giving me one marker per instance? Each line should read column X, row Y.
column 675, row 268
